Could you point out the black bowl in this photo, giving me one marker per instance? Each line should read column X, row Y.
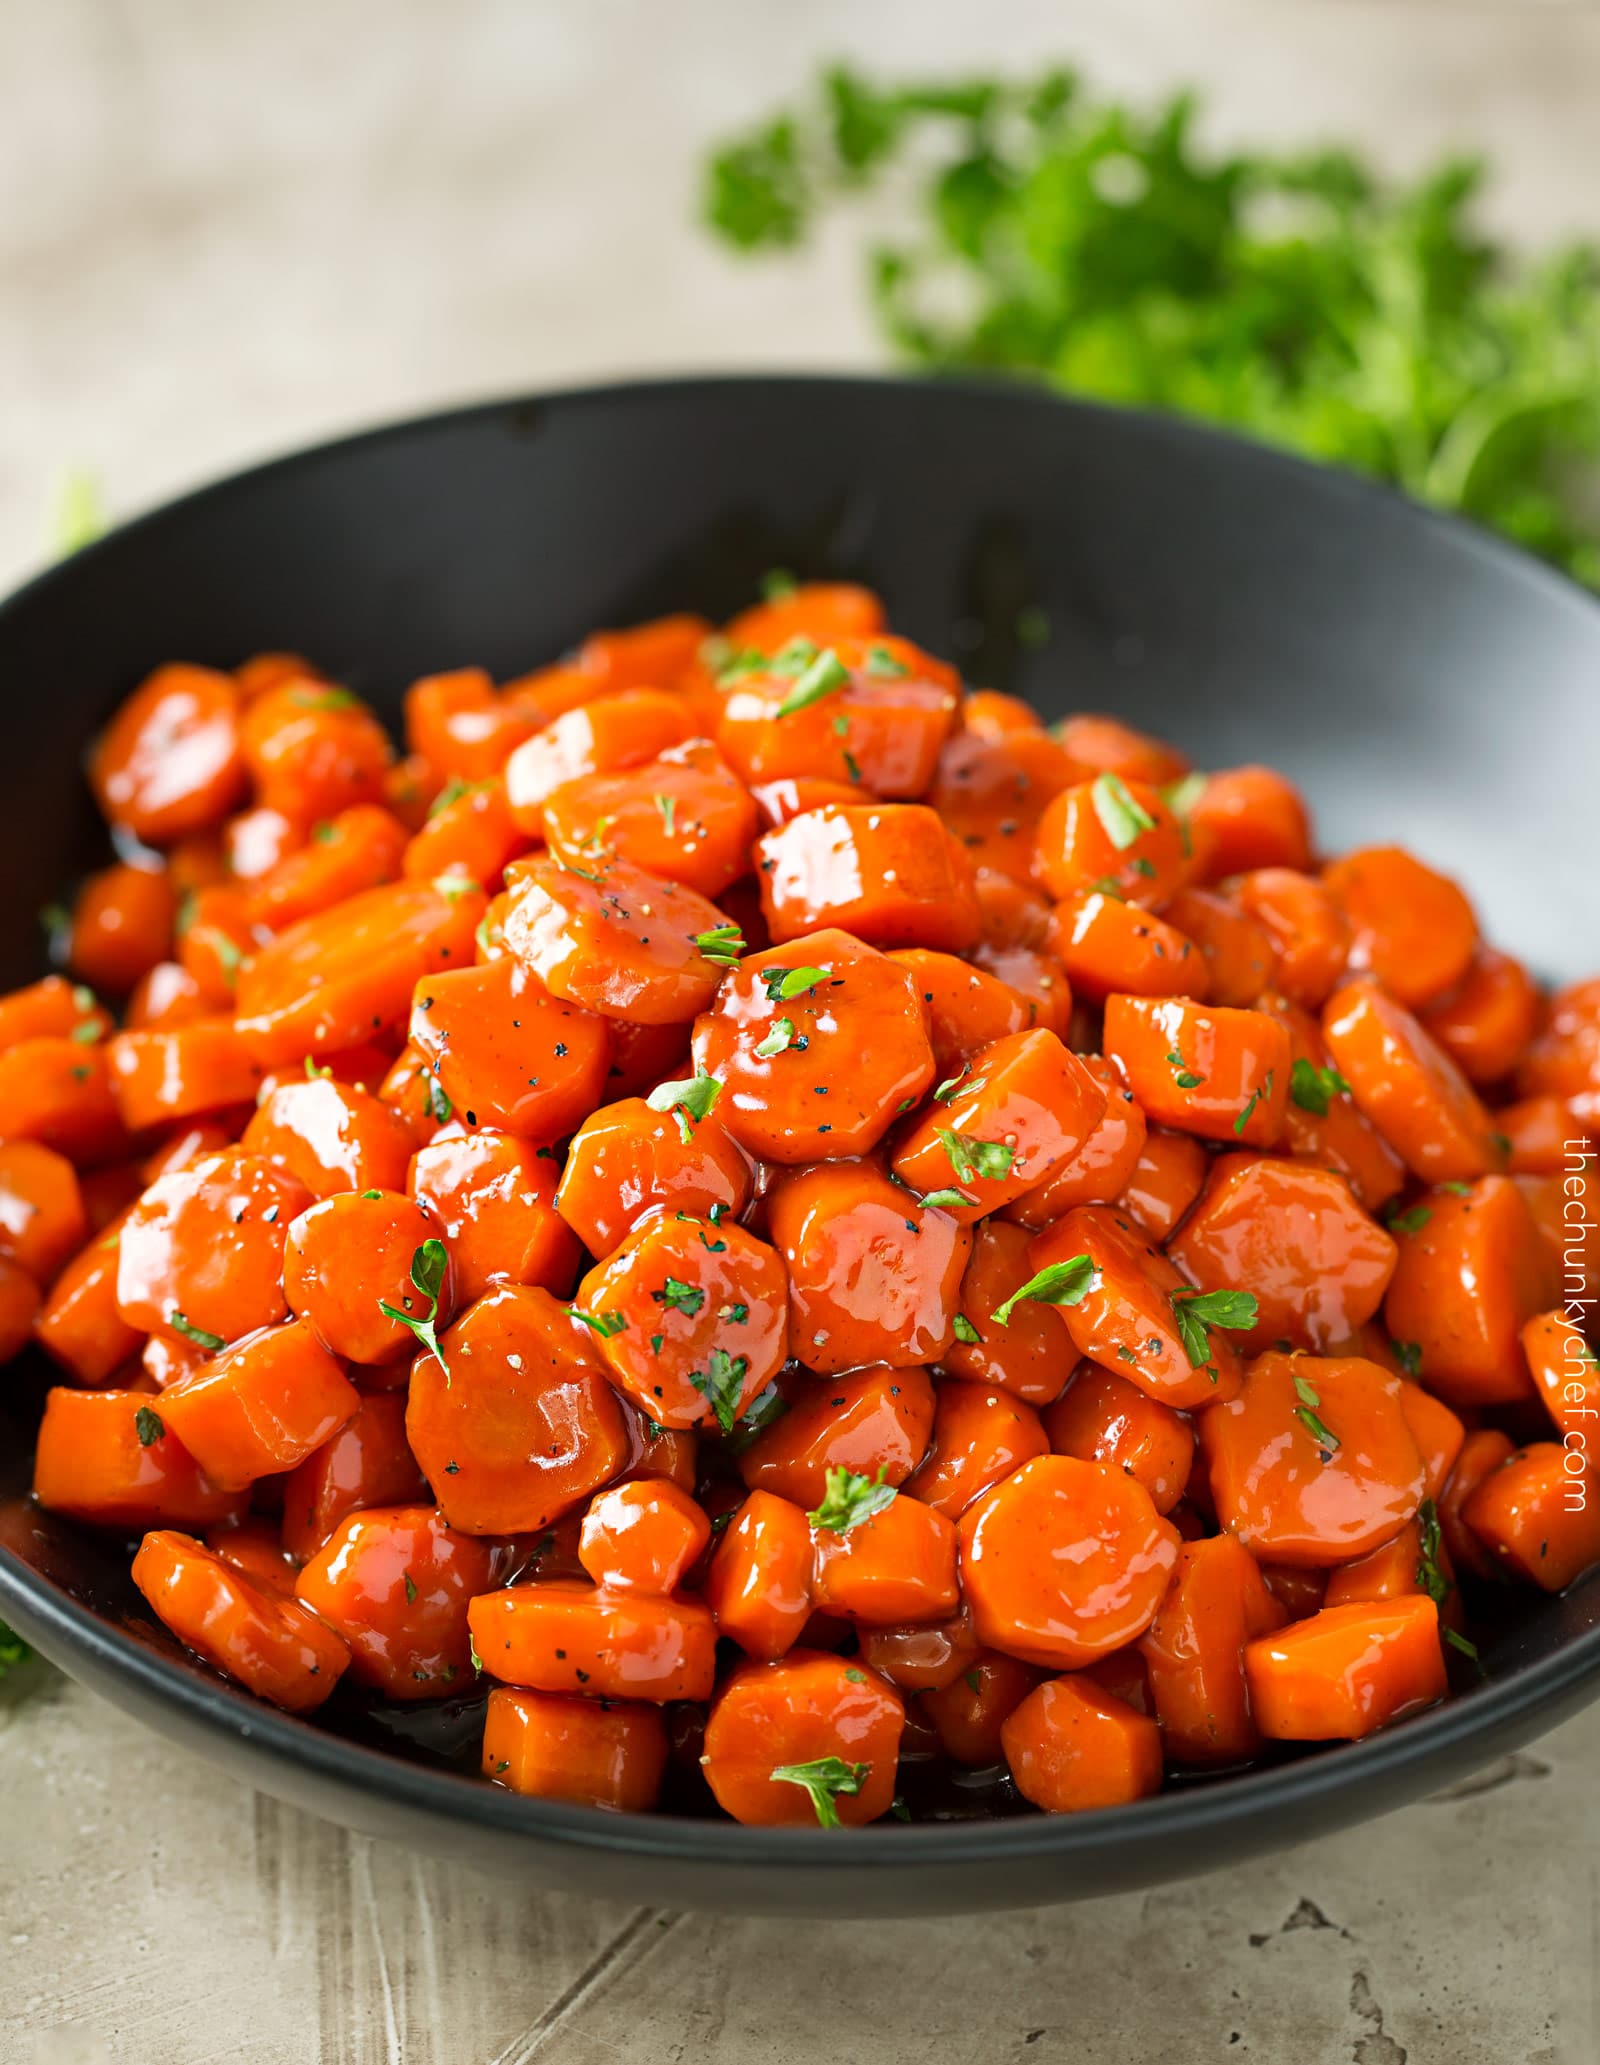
column 1420, row 680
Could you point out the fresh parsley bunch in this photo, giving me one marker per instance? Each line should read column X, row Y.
column 1301, row 299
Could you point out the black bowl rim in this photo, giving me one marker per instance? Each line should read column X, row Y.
column 1501, row 1709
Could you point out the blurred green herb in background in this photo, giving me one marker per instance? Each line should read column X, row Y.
column 13, row 1650
column 1299, row 298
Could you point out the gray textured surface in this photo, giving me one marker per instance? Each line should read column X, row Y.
column 226, row 229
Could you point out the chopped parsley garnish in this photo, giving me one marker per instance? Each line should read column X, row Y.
column 883, row 664
column 1430, row 1574
column 1123, row 817
column 428, row 1267
column 679, row 1296
column 723, row 944
column 1306, row 1413
column 964, row 1330
column 411, row 1587
column 946, row 1200
column 823, row 675
column 953, row 1085
column 849, row 1498
column 1408, row 1222
column 148, row 1426
column 1061, row 1283
column 1467, row 1648
column 690, row 1099
column 1182, row 1074
column 778, row 584
column 1409, row 1356
column 972, row 1159
column 1196, row 1312
column 784, row 983
column 777, row 1041
column 720, row 1384
column 1313, row 1088
column 213, row 1344
column 1265, row 1090
column 825, row 1779
column 1181, row 796
column 439, row 1106
column 605, row 1324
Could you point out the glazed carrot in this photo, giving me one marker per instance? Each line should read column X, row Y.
column 180, row 1072
column 642, row 1536
column 1250, row 817
column 980, row 1435
column 992, row 791
column 924, row 1656
column 690, row 1317
column 649, row 655
column 492, row 1200
column 819, row 610
column 106, row 1457
column 1107, row 944
column 252, row 1545
column 809, row 1740
column 759, row 1582
column 873, row 1273
column 1167, row 1178
column 1194, row 1652
column 79, row 1324
column 19, row 1308
column 1309, row 932
column 330, row 1136
column 1408, row 1086
column 1536, row 1131
column 121, row 926
column 988, row 713
column 506, row 1053
column 1037, row 977
column 1488, row 1018
column 1064, row 1562
column 1134, row 1313
column 684, row 817
column 556, row 1636
column 1538, row 1514
column 1411, row 929
column 1323, row 1124
column 1103, row 1418
column 1346, row 1671
column 1025, row 1355
column 366, row 1463
column 590, row 1752
column 1435, row 1429
column 201, row 1254
column 260, row 1406
column 42, row 1216
column 349, row 1257
column 1472, row 1271
column 1296, row 1239
column 967, row 1007
column 313, row 750
column 1111, row 832
column 601, row 736
column 1071, row 1746
column 1240, row 959
column 169, row 761
column 349, row 972
column 1565, row 1374
column 826, row 1011
column 873, row 1422
column 1222, row 1074
column 1108, row 745
column 1019, row 1110
column 627, row 1160
column 395, row 1583
column 52, row 1009
column 255, row 841
column 359, row 849
column 519, row 1424
column 1564, row 1059
column 461, row 727
column 970, row 1711
column 1313, row 1462
column 792, row 795
column 874, row 711
column 898, row 1564
column 1010, row 914
column 1102, row 1167
column 272, row 1645
column 890, row 873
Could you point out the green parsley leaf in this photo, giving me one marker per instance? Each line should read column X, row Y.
column 964, row 1330
column 767, row 1407
column 958, row 1085
column 689, row 1099
column 723, row 944
column 1430, row 1574
column 668, row 807
column 777, row 1041
column 1306, row 1414
column 86, row 1033
column 439, row 1106
column 825, row 1779
column 849, row 1498
column 1455, row 1189
column 605, row 1324
column 1120, row 813
column 1313, row 1088
column 1182, row 1074
column 824, row 676
column 778, row 584
column 989, row 1160
column 1059, row 1283
column 1256, row 1095
column 148, row 1426
column 1409, row 1356
column 679, row 1296
column 213, row 1344
column 411, row 1587
column 1467, row 1648
column 945, row 1200
column 13, row 1650
column 1196, row 1312
column 1407, row 1222
column 1181, row 796
column 784, row 983
column 720, row 1384
column 883, row 666
column 429, row 1264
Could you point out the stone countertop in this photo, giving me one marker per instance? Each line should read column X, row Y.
column 226, row 230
